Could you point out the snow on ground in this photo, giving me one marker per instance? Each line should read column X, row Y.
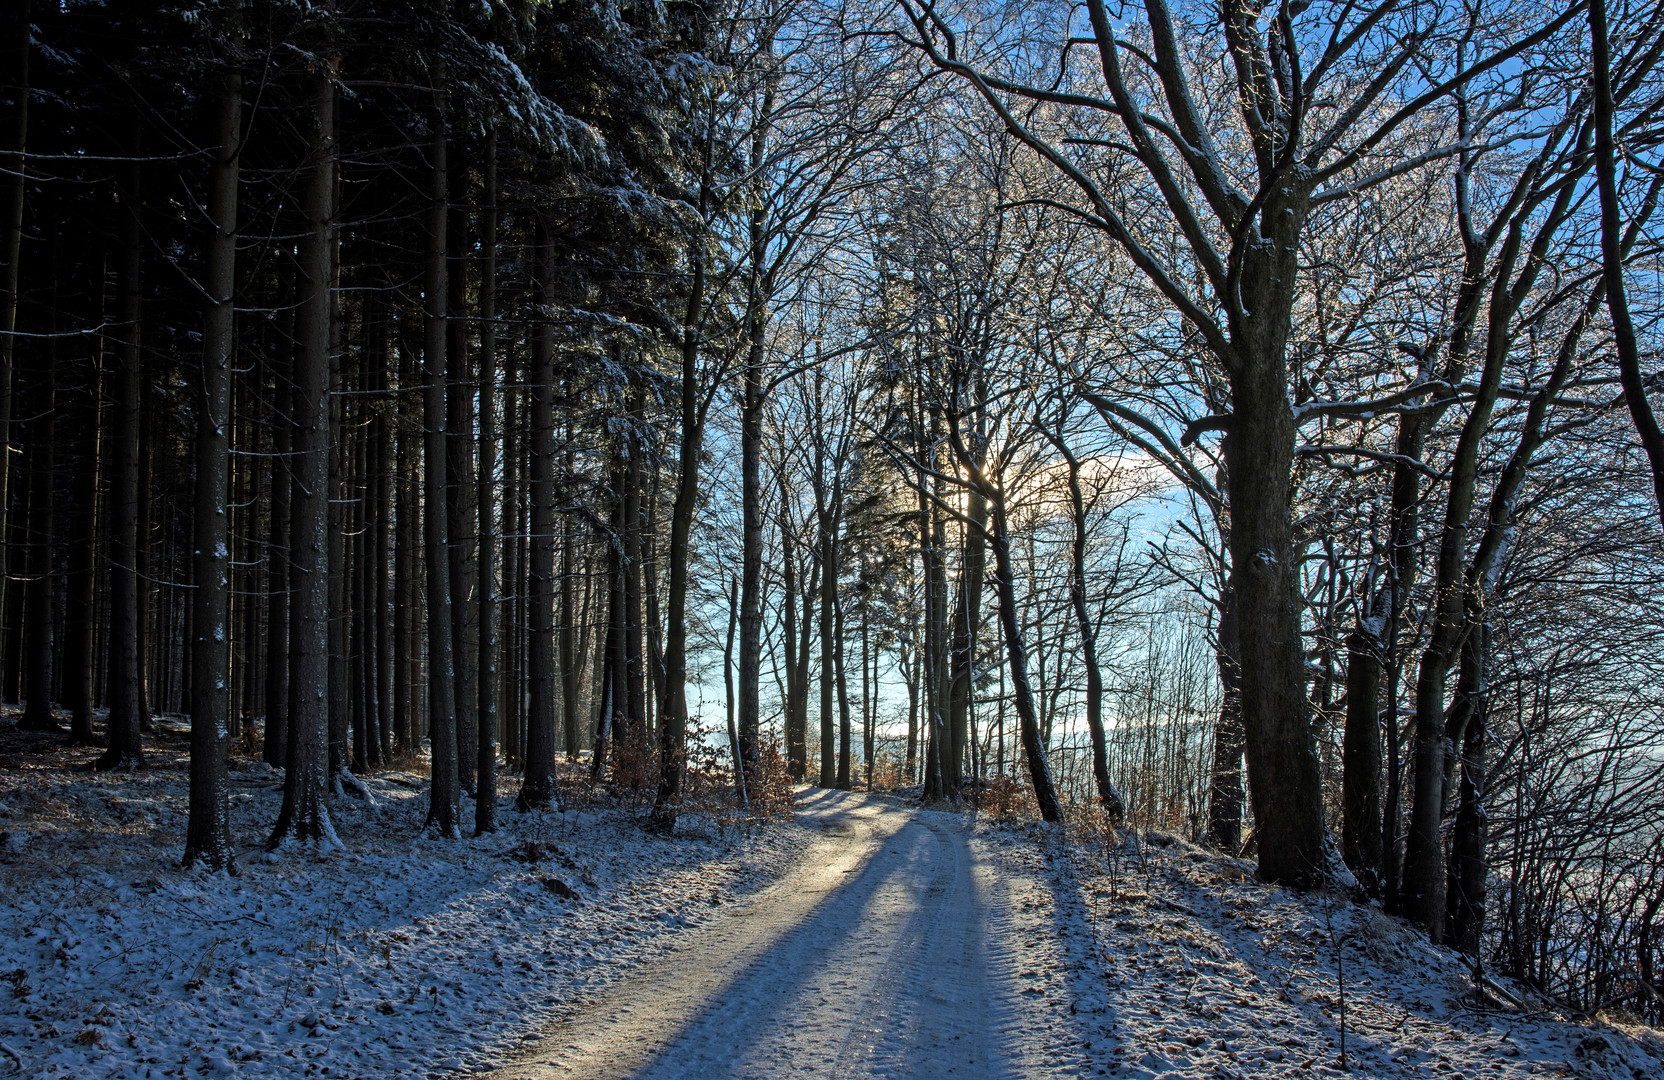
column 400, row 956
column 1168, row 961
column 408, row 956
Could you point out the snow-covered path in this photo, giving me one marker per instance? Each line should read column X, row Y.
column 880, row 954
column 919, row 944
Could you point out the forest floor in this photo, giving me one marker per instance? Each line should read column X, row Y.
column 865, row 938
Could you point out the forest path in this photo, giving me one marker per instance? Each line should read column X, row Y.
column 883, row 952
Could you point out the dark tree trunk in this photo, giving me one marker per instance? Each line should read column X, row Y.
column 1612, row 257
column 383, row 507
column 634, row 698
column 1465, row 904
column 962, row 655
column 869, row 707
column 1402, row 543
column 39, row 609
column 1424, row 859
column 728, row 685
column 1361, row 761
column 751, row 552
column 16, row 188
column 245, row 610
column 460, row 512
column 928, row 556
column 485, row 795
column 275, row 751
column 406, row 731
column 911, row 673
column 366, row 738
column 143, row 571
column 81, row 580
column 304, row 816
column 1283, row 781
column 571, row 656
column 940, row 645
column 444, row 794
column 340, row 463
column 828, row 560
column 844, row 727
column 126, row 705
column 673, row 713
column 538, row 789
column 612, row 721
column 1040, row 775
column 208, row 828
column 1107, row 795
column 509, row 532
column 1225, row 796
column 797, row 661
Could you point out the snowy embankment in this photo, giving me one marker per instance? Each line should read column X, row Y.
column 1172, row 962
column 398, row 956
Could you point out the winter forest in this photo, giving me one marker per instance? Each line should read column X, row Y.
column 1127, row 538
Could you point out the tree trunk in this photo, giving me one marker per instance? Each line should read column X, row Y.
column 81, row 580
column 634, row 698
column 123, row 696
column 1403, row 535
column 751, row 552
column 383, row 507
column 967, row 617
column 366, row 737
column 869, row 707
column 728, row 684
column 1612, row 258
column 460, row 512
column 1040, row 775
column 1225, row 775
column 828, row 559
column 445, row 797
column 406, row 736
column 1107, row 795
column 16, row 188
column 142, row 570
column 1424, row 864
column 571, row 657
column 39, row 610
column 485, row 795
column 1283, row 781
column 650, row 588
column 673, row 715
column 1361, row 761
column 1465, row 888
column 928, row 555
column 538, row 787
column 339, row 463
column 844, row 727
column 275, row 732
column 612, row 727
column 208, row 829
column 509, row 533
column 304, row 816
column 797, row 659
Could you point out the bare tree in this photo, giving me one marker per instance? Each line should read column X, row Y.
column 1240, row 225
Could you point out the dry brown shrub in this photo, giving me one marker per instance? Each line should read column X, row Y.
column 772, row 790
column 889, row 772
column 1006, row 796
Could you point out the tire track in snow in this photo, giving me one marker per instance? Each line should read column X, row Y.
column 867, row 960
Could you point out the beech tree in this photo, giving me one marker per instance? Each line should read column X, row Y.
column 1241, row 224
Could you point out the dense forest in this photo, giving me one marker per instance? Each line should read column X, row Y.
column 1235, row 420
